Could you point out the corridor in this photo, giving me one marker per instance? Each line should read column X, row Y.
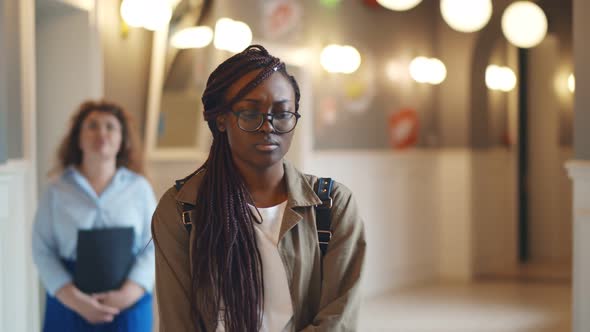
column 485, row 306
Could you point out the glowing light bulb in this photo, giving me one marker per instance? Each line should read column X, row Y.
column 466, row 15
column 399, row 5
column 193, row 37
column 524, row 24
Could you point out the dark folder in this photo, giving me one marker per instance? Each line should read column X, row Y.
column 104, row 258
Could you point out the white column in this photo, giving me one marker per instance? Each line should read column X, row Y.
column 579, row 172
column 27, row 202
column 18, row 283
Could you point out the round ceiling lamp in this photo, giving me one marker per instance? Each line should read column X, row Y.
column 343, row 59
column 438, row 71
column 500, row 78
column 399, row 5
column 466, row 15
column 150, row 14
column 131, row 13
column 232, row 36
column 419, row 69
column 428, row 70
column 524, row 24
column 571, row 83
column 193, row 37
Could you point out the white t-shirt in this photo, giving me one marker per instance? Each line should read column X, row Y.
column 278, row 308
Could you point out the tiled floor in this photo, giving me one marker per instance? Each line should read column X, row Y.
column 485, row 306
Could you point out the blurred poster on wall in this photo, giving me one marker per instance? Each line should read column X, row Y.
column 280, row 18
column 403, row 129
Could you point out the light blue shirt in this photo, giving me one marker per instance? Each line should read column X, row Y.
column 70, row 204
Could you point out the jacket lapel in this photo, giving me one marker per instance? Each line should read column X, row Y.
column 300, row 194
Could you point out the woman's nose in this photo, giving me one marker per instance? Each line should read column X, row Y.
column 102, row 131
column 266, row 124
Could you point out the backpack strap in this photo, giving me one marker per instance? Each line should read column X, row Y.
column 323, row 220
column 188, row 215
column 188, row 210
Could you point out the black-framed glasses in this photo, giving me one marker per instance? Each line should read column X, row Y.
column 282, row 122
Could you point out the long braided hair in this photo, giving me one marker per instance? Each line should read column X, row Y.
column 226, row 264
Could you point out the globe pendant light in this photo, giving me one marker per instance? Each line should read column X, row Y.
column 193, row 37
column 466, row 15
column 399, row 5
column 524, row 24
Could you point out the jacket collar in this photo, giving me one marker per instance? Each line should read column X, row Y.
column 299, row 189
column 188, row 192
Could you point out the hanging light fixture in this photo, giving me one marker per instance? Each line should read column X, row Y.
column 399, row 5
column 329, row 58
column 438, row 71
column 500, row 78
column 131, row 13
column 351, row 59
column 524, row 24
column 428, row 70
column 343, row 59
column 466, row 15
column 149, row 14
column 193, row 37
column 571, row 83
column 232, row 36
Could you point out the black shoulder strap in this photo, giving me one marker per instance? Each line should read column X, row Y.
column 324, row 192
column 187, row 209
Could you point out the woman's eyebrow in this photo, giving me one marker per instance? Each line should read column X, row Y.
column 282, row 101
column 251, row 100
column 258, row 101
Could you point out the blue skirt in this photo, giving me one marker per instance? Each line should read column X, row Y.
column 59, row 318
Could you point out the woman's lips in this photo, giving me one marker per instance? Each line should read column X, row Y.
column 266, row 147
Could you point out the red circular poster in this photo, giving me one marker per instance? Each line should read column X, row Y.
column 403, row 128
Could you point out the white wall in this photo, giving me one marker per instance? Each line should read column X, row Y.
column 67, row 44
column 550, row 223
column 18, row 279
column 494, row 211
column 397, row 197
column 3, row 91
column 455, row 50
column 126, row 66
column 13, row 60
column 580, row 170
column 453, row 214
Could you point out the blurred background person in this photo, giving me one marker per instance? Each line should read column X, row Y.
column 99, row 185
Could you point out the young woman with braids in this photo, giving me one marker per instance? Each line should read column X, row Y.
column 251, row 261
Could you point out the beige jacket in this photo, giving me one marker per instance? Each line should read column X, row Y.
column 328, row 303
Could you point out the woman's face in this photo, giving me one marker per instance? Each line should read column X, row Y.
column 100, row 136
column 264, row 147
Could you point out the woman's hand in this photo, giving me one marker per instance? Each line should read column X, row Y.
column 85, row 305
column 123, row 298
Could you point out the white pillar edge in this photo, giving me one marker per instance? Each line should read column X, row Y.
column 579, row 172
